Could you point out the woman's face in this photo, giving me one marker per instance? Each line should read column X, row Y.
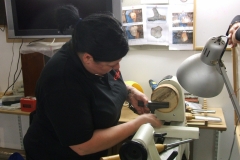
column 101, row 68
column 98, row 68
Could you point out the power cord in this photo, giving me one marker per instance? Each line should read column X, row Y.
column 15, row 78
column 19, row 54
column 10, row 66
column 13, row 82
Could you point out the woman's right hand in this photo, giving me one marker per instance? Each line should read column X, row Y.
column 148, row 118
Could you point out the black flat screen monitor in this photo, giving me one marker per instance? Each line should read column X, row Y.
column 35, row 18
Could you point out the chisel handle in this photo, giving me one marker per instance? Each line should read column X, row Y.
column 114, row 157
column 189, row 117
column 160, row 147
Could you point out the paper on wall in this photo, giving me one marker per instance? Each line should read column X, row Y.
column 168, row 25
column 146, row 24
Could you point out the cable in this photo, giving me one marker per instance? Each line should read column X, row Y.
column 13, row 82
column 10, row 67
column 15, row 79
column 17, row 63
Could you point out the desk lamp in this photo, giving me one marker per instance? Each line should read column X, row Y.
column 204, row 74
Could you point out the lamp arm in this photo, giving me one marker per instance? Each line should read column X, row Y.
column 230, row 90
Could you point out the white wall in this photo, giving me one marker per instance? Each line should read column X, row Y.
column 210, row 14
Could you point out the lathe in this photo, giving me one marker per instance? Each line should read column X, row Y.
column 174, row 130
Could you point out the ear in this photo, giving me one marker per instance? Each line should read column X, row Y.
column 87, row 58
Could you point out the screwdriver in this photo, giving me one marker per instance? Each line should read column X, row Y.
column 152, row 84
column 160, row 148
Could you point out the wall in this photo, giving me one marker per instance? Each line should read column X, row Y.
column 141, row 64
column 213, row 18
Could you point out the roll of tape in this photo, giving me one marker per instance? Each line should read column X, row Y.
column 135, row 85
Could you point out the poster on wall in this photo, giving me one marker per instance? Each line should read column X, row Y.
column 181, row 25
column 166, row 25
column 146, row 24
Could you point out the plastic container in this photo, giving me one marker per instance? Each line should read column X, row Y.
column 28, row 104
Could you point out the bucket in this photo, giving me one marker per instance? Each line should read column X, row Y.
column 135, row 85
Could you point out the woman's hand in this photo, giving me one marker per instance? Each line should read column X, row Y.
column 148, row 118
column 134, row 96
column 232, row 35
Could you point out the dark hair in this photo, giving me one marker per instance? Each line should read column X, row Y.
column 100, row 35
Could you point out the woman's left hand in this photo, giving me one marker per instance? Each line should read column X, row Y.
column 134, row 96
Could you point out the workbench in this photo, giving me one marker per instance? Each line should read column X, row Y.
column 15, row 111
column 128, row 115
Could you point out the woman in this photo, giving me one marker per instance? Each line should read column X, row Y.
column 80, row 93
column 234, row 31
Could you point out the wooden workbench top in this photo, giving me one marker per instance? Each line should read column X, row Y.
column 128, row 115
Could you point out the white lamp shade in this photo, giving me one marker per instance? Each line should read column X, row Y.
column 199, row 78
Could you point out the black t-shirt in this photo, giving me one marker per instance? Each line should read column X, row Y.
column 71, row 104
